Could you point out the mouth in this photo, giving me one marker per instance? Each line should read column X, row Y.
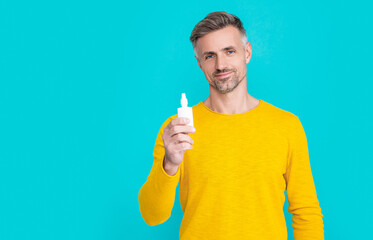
column 223, row 75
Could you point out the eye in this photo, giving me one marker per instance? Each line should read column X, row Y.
column 230, row 52
column 208, row 56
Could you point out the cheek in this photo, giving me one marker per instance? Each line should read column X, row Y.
column 241, row 65
column 208, row 70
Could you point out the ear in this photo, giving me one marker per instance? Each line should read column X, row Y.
column 248, row 52
column 199, row 63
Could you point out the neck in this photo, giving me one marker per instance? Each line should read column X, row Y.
column 237, row 101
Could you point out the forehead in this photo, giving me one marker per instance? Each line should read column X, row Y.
column 219, row 39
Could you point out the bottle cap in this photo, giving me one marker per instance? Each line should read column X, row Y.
column 184, row 100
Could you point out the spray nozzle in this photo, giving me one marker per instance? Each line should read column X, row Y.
column 184, row 100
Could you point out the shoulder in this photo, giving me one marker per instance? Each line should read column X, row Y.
column 278, row 111
column 279, row 115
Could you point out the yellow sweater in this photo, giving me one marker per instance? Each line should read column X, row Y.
column 232, row 182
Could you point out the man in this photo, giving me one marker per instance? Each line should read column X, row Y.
column 242, row 155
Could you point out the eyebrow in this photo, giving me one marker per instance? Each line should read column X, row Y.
column 223, row 49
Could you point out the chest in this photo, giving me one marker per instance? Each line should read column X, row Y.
column 236, row 152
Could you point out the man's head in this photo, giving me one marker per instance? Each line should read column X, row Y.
column 221, row 49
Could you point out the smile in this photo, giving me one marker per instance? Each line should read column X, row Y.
column 223, row 75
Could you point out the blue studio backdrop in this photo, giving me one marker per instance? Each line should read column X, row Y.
column 86, row 85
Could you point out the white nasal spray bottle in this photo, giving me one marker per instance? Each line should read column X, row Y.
column 185, row 111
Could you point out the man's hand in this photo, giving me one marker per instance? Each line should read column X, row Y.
column 176, row 141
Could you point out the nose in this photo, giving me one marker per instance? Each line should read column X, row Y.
column 220, row 63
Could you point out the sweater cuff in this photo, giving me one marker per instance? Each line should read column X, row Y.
column 165, row 176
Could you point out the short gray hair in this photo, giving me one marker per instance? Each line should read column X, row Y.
column 215, row 21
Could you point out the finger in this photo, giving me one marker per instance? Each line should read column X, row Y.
column 182, row 146
column 181, row 129
column 182, row 138
column 179, row 121
column 175, row 122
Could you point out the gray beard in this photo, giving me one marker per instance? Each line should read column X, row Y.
column 223, row 86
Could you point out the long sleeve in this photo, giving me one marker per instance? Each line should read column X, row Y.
column 157, row 195
column 301, row 191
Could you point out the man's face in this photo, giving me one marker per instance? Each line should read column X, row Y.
column 222, row 56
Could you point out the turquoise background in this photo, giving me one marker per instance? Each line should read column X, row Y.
column 86, row 85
